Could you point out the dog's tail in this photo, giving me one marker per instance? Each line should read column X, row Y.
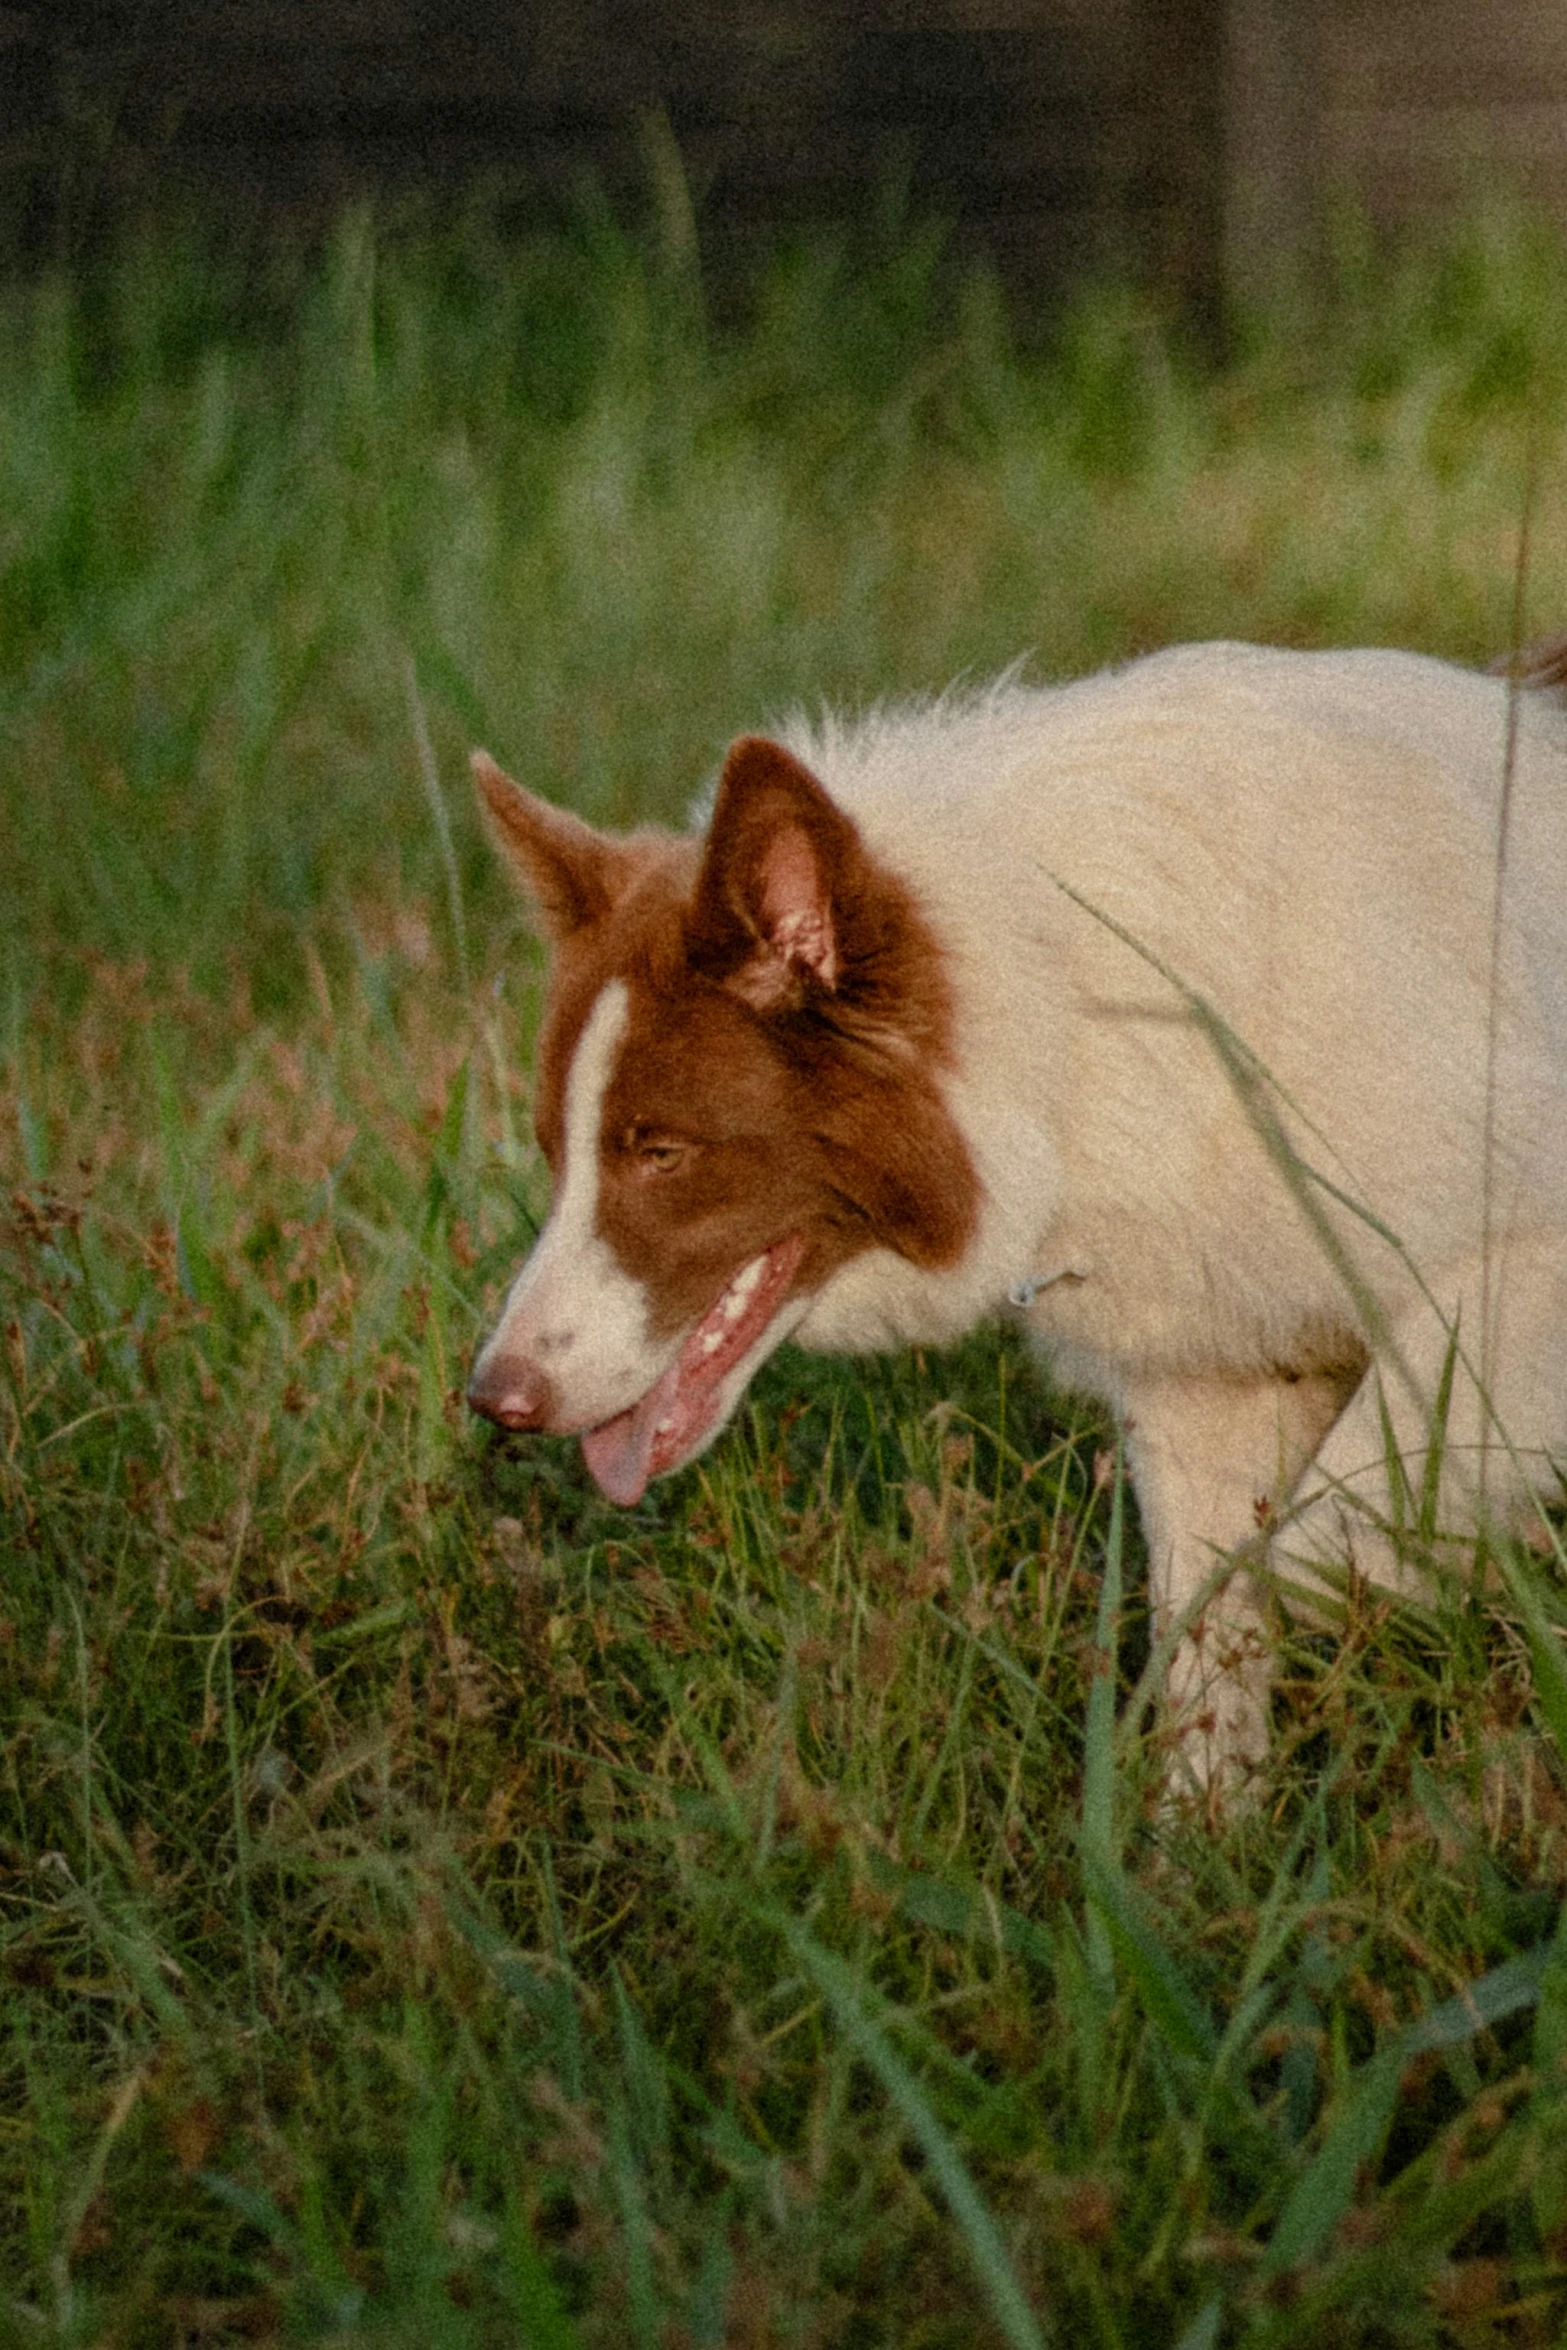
column 1540, row 667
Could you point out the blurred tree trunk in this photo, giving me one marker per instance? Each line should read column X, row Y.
column 1175, row 131
column 1272, row 107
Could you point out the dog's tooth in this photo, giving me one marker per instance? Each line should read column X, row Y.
column 712, row 1342
column 744, row 1282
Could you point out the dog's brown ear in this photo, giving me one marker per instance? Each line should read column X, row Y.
column 783, row 873
column 573, row 874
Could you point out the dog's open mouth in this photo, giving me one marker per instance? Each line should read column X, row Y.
column 683, row 1407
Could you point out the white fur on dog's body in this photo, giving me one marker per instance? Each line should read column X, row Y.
column 1328, row 893
column 1309, row 843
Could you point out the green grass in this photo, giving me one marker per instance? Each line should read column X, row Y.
column 434, row 1906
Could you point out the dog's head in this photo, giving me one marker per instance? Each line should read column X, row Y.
column 737, row 1092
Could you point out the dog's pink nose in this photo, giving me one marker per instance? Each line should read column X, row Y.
column 512, row 1392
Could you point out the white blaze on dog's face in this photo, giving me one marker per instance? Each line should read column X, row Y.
column 737, row 1091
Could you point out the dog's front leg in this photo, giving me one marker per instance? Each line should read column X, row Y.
column 1210, row 1459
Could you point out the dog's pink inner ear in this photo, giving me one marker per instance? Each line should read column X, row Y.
column 796, row 906
column 767, row 917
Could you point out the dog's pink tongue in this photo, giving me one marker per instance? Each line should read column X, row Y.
column 670, row 1421
column 619, row 1452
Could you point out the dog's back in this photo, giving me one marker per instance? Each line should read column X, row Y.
column 1308, row 843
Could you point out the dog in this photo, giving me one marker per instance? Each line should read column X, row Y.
column 1209, row 1013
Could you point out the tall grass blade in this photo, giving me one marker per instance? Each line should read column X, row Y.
column 1546, row 1653
column 954, row 1909
column 569, row 2050
column 1325, row 2192
column 1101, row 1862
column 1550, row 2022
column 1494, row 990
column 535, row 2298
column 1427, row 1520
column 1171, row 2005
column 545, row 1993
column 432, row 1434
column 323, row 2295
column 435, row 799
column 440, row 1199
column 986, row 2249
column 1203, row 2332
column 1326, row 2189
column 631, row 2194
column 646, row 2092
column 707, row 2310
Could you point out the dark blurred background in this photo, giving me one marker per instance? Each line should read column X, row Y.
column 1201, row 147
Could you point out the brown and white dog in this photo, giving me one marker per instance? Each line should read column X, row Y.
column 1187, row 1010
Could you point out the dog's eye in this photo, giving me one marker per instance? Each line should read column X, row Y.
column 654, row 1154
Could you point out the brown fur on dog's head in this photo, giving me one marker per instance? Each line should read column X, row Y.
column 789, row 1017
